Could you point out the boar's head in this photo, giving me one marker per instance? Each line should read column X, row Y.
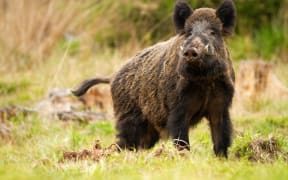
column 203, row 53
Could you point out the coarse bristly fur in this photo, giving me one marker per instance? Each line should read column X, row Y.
column 171, row 86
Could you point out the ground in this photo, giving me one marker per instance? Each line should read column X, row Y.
column 35, row 146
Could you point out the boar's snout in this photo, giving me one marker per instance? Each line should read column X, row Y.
column 192, row 53
column 195, row 49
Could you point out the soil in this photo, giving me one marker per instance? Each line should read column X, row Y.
column 6, row 114
column 262, row 150
column 95, row 154
column 164, row 151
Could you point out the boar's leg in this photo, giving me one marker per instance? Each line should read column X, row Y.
column 178, row 128
column 134, row 131
column 187, row 112
column 127, row 127
column 220, row 126
column 149, row 135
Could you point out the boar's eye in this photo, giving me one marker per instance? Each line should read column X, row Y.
column 188, row 32
column 213, row 33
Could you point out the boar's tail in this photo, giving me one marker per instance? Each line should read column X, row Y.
column 85, row 85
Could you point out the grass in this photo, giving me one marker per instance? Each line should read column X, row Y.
column 34, row 32
column 36, row 58
column 35, row 147
column 37, row 144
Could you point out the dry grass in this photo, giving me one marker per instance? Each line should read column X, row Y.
column 31, row 32
column 30, row 29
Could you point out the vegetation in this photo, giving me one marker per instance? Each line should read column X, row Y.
column 36, row 145
column 83, row 28
column 51, row 43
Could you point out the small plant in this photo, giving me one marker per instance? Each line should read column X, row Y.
column 261, row 150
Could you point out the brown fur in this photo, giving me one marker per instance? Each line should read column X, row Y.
column 152, row 97
column 163, row 90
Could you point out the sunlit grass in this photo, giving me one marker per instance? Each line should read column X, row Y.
column 37, row 145
column 34, row 148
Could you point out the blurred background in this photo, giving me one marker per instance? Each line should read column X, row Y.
column 58, row 43
column 47, row 47
column 31, row 32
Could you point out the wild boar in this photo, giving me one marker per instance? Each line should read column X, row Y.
column 169, row 87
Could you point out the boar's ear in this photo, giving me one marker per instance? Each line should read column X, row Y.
column 227, row 14
column 181, row 12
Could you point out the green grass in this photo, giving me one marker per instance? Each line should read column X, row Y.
column 34, row 149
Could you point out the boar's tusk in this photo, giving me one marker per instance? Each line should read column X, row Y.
column 207, row 48
column 181, row 47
